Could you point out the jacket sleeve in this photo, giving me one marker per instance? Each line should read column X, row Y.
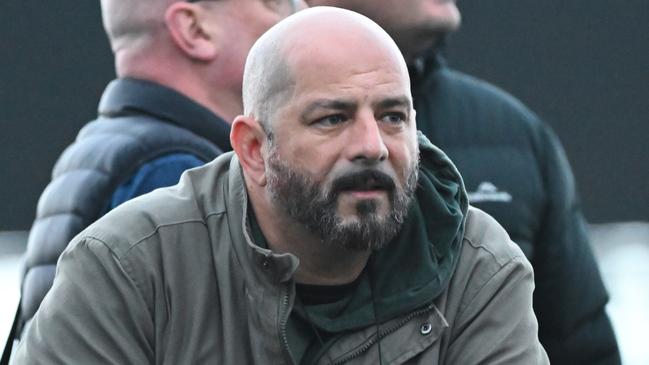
column 570, row 297
column 94, row 314
column 497, row 325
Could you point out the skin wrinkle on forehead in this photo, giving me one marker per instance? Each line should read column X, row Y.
column 347, row 89
column 380, row 48
column 368, row 74
column 357, row 77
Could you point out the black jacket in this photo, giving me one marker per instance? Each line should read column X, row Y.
column 138, row 121
column 514, row 168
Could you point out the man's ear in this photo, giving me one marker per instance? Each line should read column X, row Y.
column 190, row 30
column 247, row 139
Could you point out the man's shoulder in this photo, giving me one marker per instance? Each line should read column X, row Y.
column 488, row 261
column 140, row 220
column 486, row 251
column 124, row 141
column 489, row 299
column 487, row 241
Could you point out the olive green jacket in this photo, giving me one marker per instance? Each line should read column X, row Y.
column 174, row 277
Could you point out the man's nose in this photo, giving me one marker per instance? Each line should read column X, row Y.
column 366, row 140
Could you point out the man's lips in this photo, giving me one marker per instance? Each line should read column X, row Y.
column 368, row 183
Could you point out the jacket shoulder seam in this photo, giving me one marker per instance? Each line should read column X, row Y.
column 127, row 269
column 476, row 291
column 491, row 253
column 155, row 231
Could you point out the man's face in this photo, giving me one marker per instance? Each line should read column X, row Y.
column 343, row 156
column 414, row 24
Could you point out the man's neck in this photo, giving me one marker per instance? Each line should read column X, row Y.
column 222, row 100
column 320, row 263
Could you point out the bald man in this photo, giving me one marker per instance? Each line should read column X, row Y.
column 334, row 233
column 514, row 169
column 180, row 67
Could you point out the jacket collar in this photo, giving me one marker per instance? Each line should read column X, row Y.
column 259, row 264
column 134, row 96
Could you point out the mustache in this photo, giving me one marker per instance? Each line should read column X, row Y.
column 363, row 180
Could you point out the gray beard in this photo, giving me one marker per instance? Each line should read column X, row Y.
column 310, row 204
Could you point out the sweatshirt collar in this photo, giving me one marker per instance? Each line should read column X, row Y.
column 417, row 266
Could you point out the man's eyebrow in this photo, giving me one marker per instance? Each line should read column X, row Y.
column 402, row 101
column 331, row 104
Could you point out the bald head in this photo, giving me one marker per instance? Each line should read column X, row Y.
column 316, row 37
column 331, row 91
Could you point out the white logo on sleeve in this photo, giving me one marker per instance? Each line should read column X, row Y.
column 488, row 192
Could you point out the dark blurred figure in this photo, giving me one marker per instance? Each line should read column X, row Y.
column 180, row 67
column 514, row 168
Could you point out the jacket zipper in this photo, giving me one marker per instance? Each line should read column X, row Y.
column 283, row 320
column 381, row 334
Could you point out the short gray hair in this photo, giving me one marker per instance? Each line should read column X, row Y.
column 267, row 80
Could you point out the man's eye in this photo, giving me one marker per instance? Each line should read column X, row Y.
column 331, row 120
column 394, row 118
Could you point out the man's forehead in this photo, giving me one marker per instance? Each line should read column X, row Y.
column 335, row 88
column 335, row 65
column 352, row 64
column 363, row 86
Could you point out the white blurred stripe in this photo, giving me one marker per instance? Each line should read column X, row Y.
column 622, row 251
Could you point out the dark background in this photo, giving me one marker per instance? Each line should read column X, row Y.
column 582, row 65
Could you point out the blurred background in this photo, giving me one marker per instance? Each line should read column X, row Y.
column 582, row 65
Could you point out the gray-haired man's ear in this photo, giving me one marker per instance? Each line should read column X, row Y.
column 191, row 31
